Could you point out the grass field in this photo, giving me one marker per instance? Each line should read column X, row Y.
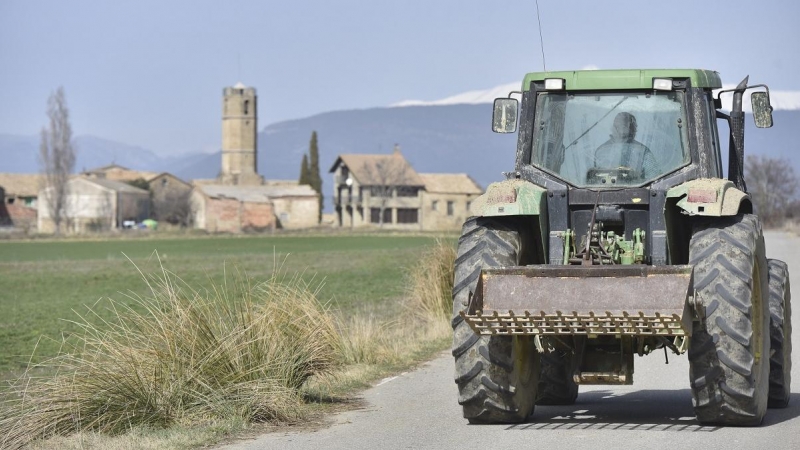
column 44, row 282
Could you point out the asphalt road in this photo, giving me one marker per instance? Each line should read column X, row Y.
column 419, row 410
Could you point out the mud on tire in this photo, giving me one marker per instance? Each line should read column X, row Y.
column 780, row 334
column 496, row 375
column 729, row 354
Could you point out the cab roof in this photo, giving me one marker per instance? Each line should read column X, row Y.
column 585, row 80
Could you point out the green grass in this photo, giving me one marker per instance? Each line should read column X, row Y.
column 43, row 282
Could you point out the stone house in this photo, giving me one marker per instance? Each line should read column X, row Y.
column 19, row 193
column 385, row 191
column 234, row 209
column 447, row 199
column 95, row 204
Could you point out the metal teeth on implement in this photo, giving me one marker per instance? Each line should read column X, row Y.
column 624, row 324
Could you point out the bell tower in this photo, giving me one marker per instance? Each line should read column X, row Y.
column 239, row 141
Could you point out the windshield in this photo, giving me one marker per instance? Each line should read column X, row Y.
column 610, row 140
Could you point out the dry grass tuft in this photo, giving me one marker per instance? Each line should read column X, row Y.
column 179, row 356
column 431, row 284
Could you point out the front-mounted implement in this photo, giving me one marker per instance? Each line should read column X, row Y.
column 617, row 235
column 552, row 300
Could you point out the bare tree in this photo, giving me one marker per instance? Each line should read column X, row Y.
column 772, row 185
column 385, row 178
column 57, row 158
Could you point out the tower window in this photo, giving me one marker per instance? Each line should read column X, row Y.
column 246, row 107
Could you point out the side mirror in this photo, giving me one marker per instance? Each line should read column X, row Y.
column 762, row 111
column 504, row 116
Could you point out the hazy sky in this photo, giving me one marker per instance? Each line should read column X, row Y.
column 151, row 73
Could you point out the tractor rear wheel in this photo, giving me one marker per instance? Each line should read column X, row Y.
column 556, row 384
column 729, row 353
column 780, row 334
column 496, row 375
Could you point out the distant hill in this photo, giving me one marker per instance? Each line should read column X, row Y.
column 19, row 154
column 446, row 138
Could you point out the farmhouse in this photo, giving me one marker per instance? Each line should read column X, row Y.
column 385, row 191
column 94, row 204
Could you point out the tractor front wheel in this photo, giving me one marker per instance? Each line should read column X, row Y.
column 496, row 375
column 729, row 356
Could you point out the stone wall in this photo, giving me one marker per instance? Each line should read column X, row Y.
column 296, row 212
column 21, row 217
column 224, row 215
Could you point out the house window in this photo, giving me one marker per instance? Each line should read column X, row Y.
column 435, row 205
column 246, row 107
column 375, row 215
column 468, row 205
column 406, row 215
column 345, row 172
column 10, row 200
column 449, row 208
column 407, row 191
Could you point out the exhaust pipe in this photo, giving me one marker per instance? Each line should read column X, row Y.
column 736, row 144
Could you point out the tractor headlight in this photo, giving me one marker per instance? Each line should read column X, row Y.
column 662, row 84
column 554, row 84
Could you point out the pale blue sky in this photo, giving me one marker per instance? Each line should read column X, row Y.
column 151, row 73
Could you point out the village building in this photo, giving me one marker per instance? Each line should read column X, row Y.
column 94, row 204
column 116, row 172
column 447, row 199
column 385, row 191
column 235, row 209
column 239, row 199
column 19, row 194
column 170, row 199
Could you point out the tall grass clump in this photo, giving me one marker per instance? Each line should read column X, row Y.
column 178, row 355
column 431, row 283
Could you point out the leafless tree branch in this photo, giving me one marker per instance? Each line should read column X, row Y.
column 57, row 158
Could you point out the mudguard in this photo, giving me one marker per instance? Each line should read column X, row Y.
column 712, row 197
column 511, row 198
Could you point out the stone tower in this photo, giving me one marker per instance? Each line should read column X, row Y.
column 239, row 143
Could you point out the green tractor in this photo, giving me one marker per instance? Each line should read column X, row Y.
column 617, row 235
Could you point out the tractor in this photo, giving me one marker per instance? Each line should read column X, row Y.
column 617, row 235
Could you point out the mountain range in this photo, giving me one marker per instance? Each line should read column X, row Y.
column 434, row 138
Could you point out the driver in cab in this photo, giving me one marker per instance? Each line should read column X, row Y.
column 623, row 151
